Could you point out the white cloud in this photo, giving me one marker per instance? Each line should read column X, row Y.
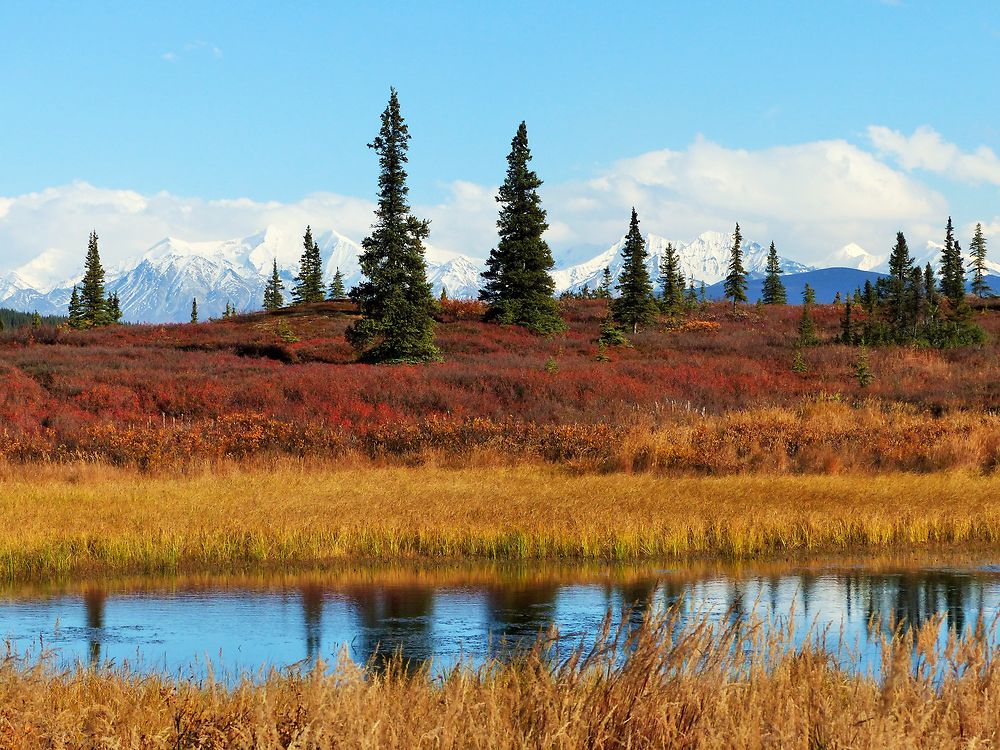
column 810, row 198
column 45, row 233
column 193, row 48
column 927, row 150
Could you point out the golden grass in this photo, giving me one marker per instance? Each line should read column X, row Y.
column 60, row 520
column 680, row 687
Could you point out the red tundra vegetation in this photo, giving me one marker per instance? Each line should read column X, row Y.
column 711, row 392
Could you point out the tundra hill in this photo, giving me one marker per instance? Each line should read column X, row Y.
column 295, row 365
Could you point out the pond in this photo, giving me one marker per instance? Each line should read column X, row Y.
column 249, row 623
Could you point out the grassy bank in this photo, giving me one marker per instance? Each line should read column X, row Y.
column 61, row 520
column 680, row 687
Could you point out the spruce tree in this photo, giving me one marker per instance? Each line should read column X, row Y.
column 977, row 251
column 735, row 287
column 337, row 288
column 75, row 310
column 394, row 297
column 847, row 323
column 273, row 298
column 807, row 327
column 635, row 305
column 194, row 310
column 671, row 279
column 604, row 288
column 897, row 301
column 309, row 283
column 93, row 303
column 518, row 285
column 773, row 292
column 114, row 308
column 952, row 269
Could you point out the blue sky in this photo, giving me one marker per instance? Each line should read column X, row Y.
column 276, row 101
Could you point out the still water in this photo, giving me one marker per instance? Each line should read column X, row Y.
column 252, row 623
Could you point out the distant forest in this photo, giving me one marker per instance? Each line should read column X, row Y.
column 14, row 318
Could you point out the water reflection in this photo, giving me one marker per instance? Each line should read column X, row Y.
column 93, row 603
column 472, row 613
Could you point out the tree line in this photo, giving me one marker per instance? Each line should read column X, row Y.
column 396, row 305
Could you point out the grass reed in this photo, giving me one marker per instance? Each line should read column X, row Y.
column 70, row 520
column 697, row 685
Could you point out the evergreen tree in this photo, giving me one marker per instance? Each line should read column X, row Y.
column 735, row 287
column 93, row 303
column 309, row 283
column 518, row 285
column 273, row 297
column 977, row 251
column 337, row 288
column 807, row 327
column 611, row 334
column 394, row 297
column 604, row 289
column 671, row 279
column 75, row 310
column 635, row 305
column 444, row 294
column 898, row 305
column 799, row 366
column 114, row 308
column 847, row 323
column 862, row 372
column 952, row 269
column 773, row 292
column 194, row 310
column 691, row 296
column 702, row 296
column 869, row 298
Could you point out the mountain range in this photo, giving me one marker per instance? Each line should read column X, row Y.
column 157, row 286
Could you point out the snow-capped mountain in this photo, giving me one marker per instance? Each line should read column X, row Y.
column 158, row 285
column 855, row 256
column 704, row 259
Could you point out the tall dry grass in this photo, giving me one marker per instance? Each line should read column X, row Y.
column 821, row 435
column 62, row 520
column 694, row 686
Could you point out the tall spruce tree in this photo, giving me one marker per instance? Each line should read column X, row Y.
column 194, row 310
column 952, row 269
column 309, row 283
column 519, row 288
column 337, row 288
column 273, row 297
column 977, row 253
column 394, row 297
column 898, row 305
column 671, row 279
column 773, row 292
column 635, row 305
column 93, row 303
column 735, row 287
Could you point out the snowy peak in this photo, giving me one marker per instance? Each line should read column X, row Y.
column 158, row 285
column 704, row 259
column 854, row 256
